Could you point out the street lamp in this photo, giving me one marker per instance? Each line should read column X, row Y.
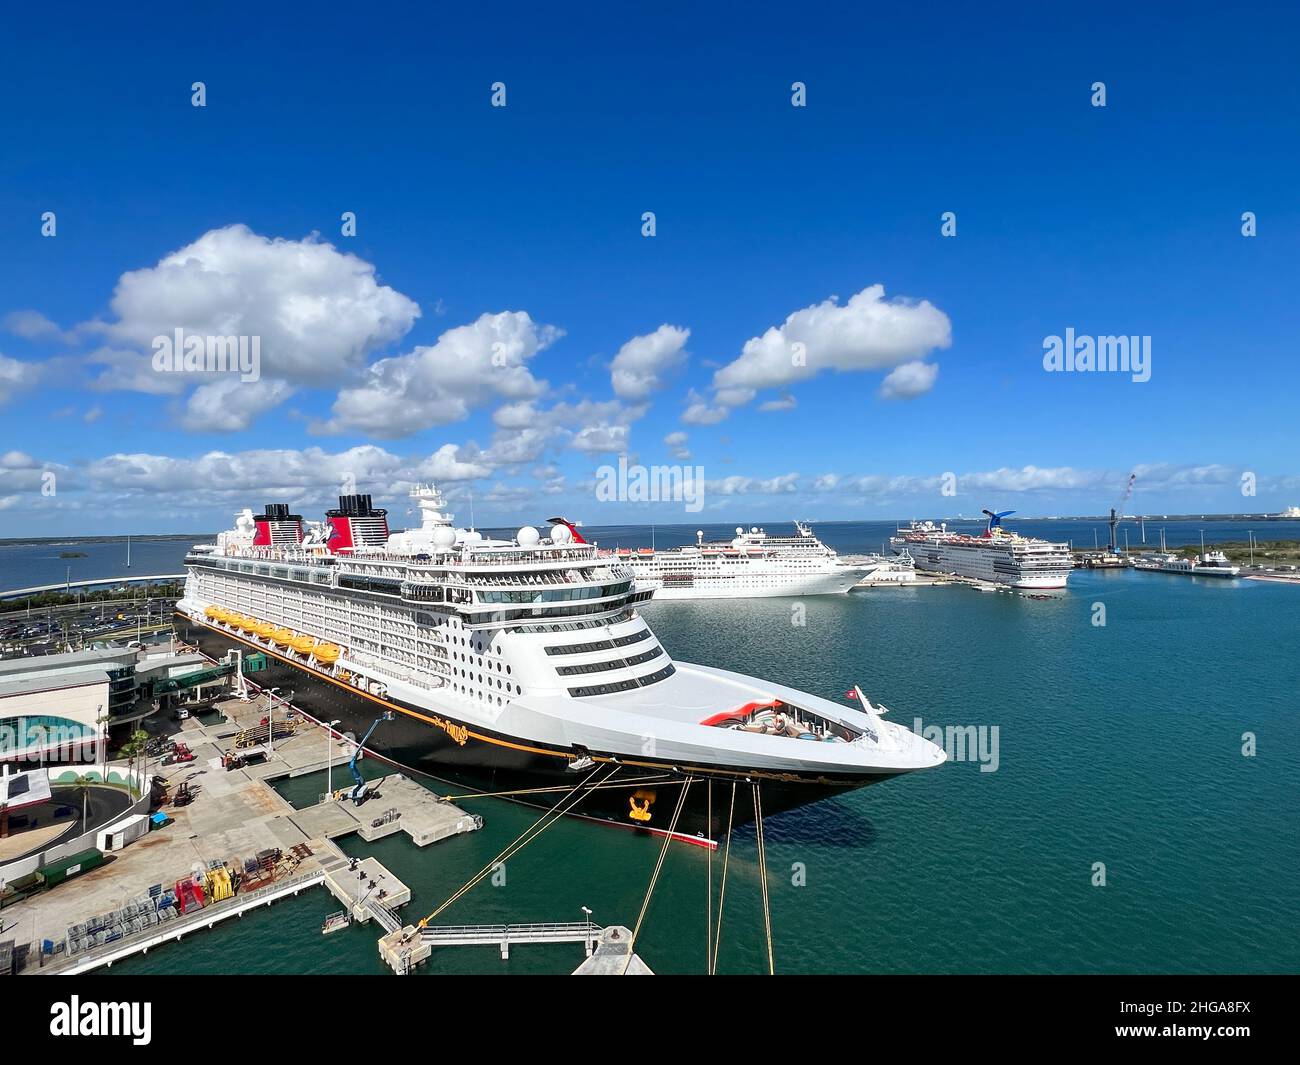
column 329, row 758
column 270, row 720
column 588, row 913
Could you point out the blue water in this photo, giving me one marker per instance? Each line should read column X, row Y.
column 34, row 565
column 1120, row 745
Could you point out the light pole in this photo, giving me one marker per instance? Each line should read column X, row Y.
column 102, row 720
column 270, row 720
column 329, row 759
column 588, row 916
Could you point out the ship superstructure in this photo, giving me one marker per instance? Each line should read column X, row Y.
column 752, row 564
column 508, row 663
column 997, row 556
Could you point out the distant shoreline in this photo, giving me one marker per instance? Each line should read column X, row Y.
column 1128, row 519
column 71, row 540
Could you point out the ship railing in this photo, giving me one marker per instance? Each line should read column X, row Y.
column 509, row 556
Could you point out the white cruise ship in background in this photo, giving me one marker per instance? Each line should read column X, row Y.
column 998, row 556
column 1207, row 564
column 752, row 565
column 517, row 664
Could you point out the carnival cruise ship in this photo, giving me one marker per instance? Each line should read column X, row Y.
column 998, row 556
column 751, row 565
column 519, row 664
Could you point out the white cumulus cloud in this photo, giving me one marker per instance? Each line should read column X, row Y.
column 467, row 367
column 869, row 332
column 640, row 365
column 318, row 311
column 909, row 380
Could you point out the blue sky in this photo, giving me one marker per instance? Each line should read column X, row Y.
column 522, row 225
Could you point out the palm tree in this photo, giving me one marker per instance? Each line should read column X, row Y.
column 133, row 749
column 82, row 784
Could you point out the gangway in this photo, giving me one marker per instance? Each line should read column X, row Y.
column 503, row 935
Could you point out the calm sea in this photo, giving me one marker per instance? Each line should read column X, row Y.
column 1118, row 746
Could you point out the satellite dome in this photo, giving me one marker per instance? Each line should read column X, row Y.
column 444, row 536
column 753, row 528
column 560, row 534
column 740, row 531
column 472, row 537
column 527, row 536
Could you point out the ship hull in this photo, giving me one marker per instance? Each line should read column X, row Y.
column 981, row 564
column 441, row 748
column 1220, row 574
column 768, row 586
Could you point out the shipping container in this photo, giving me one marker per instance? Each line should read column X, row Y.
column 73, row 865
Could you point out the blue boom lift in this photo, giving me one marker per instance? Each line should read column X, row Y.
column 359, row 793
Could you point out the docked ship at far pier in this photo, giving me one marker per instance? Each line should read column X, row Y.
column 997, row 556
column 1206, row 564
column 751, row 565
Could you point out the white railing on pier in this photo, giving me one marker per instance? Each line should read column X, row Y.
column 503, row 935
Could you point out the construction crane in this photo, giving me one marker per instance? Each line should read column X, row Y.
column 359, row 794
column 1117, row 512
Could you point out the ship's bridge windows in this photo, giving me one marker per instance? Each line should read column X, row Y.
column 611, row 663
column 554, row 595
column 599, row 645
column 624, row 685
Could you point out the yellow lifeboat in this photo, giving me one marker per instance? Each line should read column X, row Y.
column 326, row 652
column 282, row 636
column 263, row 629
column 302, row 644
column 212, row 612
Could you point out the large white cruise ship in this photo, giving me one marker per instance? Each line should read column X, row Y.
column 519, row 664
column 998, row 556
column 752, row 565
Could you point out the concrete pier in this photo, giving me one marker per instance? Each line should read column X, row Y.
column 397, row 804
column 610, row 957
column 234, row 815
column 368, row 891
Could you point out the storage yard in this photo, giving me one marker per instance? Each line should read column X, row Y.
column 223, row 842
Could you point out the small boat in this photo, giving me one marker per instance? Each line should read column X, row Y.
column 335, row 922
